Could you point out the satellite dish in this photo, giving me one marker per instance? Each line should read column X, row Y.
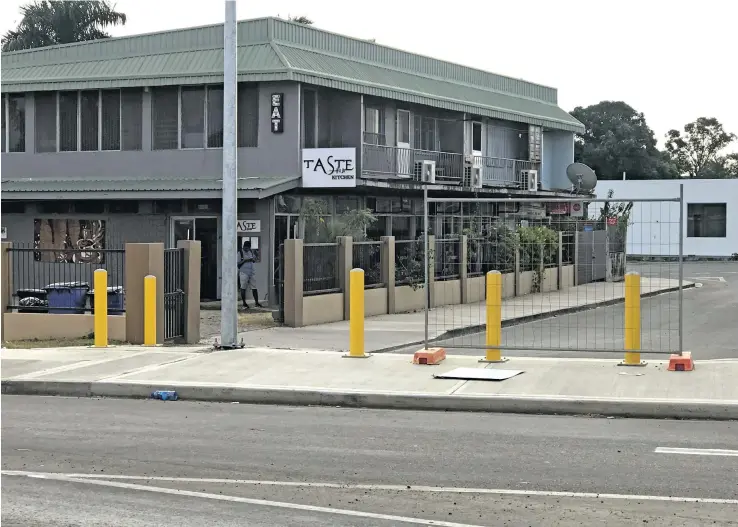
column 582, row 177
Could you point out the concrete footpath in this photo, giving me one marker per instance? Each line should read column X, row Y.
column 391, row 332
column 290, row 377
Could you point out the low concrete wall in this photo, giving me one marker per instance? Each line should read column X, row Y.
column 567, row 276
column 550, row 280
column 320, row 309
column 408, row 299
column 446, row 293
column 475, row 289
column 508, row 285
column 375, row 301
column 526, row 283
column 46, row 326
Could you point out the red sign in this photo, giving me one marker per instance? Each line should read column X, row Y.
column 612, row 221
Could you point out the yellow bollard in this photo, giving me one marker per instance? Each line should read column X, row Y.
column 100, row 283
column 356, row 315
column 632, row 321
column 493, row 339
column 150, row 311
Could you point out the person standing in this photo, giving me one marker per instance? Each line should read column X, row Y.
column 247, row 273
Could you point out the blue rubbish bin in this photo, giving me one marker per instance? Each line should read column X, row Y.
column 67, row 297
column 115, row 300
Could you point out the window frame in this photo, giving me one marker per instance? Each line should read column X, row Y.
column 6, row 115
column 702, row 205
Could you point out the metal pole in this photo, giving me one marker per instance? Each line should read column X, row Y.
column 681, row 268
column 426, row 262
column 229, row 293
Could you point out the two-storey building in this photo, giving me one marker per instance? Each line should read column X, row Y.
column 120, row 139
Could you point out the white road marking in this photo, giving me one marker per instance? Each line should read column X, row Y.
column 697, row 451
column 396, row 488
column 710, row 279
column 239, row 499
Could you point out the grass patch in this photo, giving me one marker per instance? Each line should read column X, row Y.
column 256, row 320
column 55, row 343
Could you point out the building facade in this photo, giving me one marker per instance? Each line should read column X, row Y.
column 124, row 137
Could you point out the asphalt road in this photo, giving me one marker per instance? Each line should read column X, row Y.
column 133, row 463
column 710, row 312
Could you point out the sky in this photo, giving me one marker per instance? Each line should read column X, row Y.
column 674, row 60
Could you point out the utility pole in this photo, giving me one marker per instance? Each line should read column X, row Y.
column 229, row 251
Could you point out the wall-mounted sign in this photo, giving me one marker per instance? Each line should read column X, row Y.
column 577, row 209
column 277, row 115
column 4, row 233
column 248, row 226
column 328, row 167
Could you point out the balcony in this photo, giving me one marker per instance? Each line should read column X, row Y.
column 392, row 162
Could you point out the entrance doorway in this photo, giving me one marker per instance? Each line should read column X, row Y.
column 204, row 229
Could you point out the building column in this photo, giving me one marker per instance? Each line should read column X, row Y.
column 293, row 276
column 6, row 282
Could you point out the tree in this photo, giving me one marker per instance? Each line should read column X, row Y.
column 724, row 167
column 300, row 20
column 49, row 22
column 697, row 149
column 617, row 139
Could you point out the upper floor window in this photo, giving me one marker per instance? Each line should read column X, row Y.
column 374, row 126
column 14, row 123
column 89, row 120
column 192, row 117
column 309, row 118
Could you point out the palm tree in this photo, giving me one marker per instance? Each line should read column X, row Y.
column 49, row 22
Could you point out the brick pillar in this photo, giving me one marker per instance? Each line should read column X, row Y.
column 463, row 259
column 387, row 263
column 143, row 259
column 6, row 282
column 192, row 265
column 293, row 275
column 345, row 264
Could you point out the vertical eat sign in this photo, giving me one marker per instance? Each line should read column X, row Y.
column 277, row 116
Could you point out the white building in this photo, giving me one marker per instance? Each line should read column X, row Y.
column 710, row 216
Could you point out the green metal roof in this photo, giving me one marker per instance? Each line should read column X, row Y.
column 258, row 187
column 271, row 49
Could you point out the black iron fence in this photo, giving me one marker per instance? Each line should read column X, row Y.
column 489, row 254
column 447, row 259
column 174, row 295
column 409, row 259
column 567, row 247
column 62, row 280
column 320, row 268
column 366, row 256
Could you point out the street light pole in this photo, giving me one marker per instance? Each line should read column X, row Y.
column 229, row 261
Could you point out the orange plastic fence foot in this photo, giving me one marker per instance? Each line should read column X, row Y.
column 681, row 362
column 430, row 356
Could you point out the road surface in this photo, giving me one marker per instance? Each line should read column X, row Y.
column 127, row 463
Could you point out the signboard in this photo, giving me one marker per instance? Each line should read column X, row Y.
column 577, row 209
column 558, row 208
column 588, row 228
column 328, row 167
column 249, row 226
column 277, row 115
column 4, row 233
column 612, row 221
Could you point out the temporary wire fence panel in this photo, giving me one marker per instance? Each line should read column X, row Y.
column 562, row 274
column 60, row 280
column 320, row 268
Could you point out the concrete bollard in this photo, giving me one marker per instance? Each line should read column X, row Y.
column 493, row 334
column 356, row 315
column 150, row 310
column 100, row 300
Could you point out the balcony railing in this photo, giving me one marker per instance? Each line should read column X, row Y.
column 391, row 161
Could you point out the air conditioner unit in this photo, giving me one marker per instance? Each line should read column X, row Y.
column 530, row 178
column 425, row 171
column 476, row 177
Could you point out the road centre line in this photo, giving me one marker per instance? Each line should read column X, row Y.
column 380, row 487
column 697, row 451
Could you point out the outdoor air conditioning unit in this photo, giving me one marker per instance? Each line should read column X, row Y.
column 530, row 177
column 476, row 177
column 425, row 171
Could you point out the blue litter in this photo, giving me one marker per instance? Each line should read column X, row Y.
column 164, row 395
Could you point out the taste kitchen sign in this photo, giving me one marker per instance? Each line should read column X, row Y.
column 329, row 167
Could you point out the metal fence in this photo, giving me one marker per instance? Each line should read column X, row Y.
column 174, row 295
column 366, row 256
column 409, row 262
column 320, row 268
column 563, row 290
column 61, row 280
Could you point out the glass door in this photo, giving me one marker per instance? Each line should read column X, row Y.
column 404, row 154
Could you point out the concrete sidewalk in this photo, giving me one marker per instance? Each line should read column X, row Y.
column 390, row 332
column 547, row 386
